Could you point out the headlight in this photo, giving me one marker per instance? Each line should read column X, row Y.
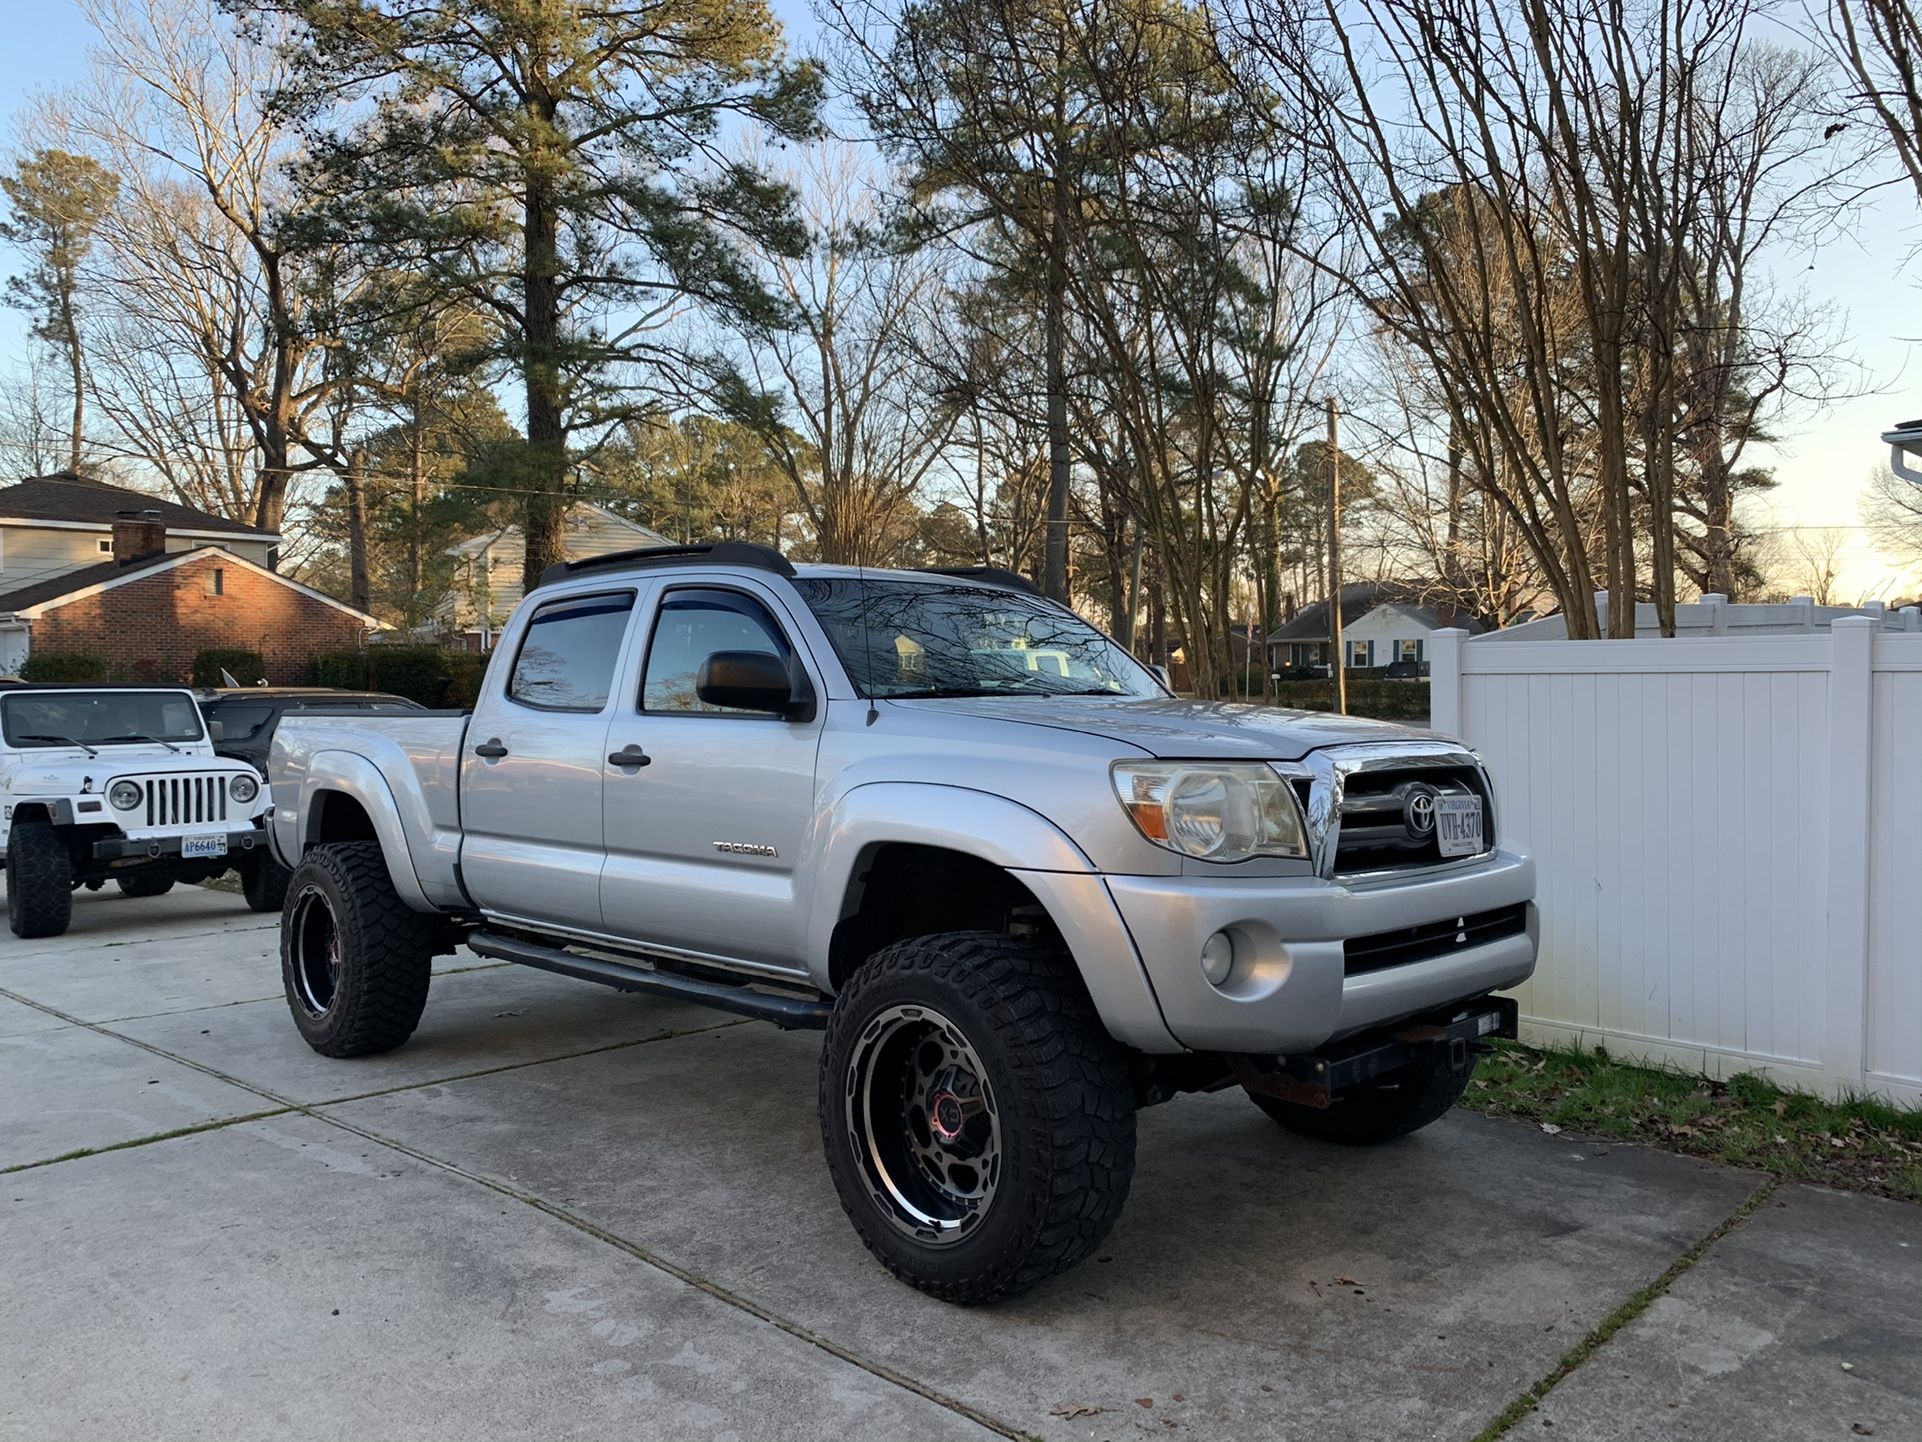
column 125, row 795
column 243, row 788
column 1217, row 811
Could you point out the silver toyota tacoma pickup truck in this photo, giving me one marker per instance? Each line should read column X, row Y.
column 1023, row 888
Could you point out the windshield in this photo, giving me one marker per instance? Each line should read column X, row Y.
column 905, row 638
column 99, row 718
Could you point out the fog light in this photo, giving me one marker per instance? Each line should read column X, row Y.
column 1217, row 957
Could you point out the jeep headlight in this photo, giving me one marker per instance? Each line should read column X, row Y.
column 125, row 795
column 243, row 788
column 1216, row 811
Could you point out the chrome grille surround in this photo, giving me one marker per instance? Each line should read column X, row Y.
column 1346, row 793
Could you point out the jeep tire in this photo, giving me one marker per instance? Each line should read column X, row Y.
column 144, row 883
column 354, row 958
column 263, row 881
column 1393, row 1106
column 39, row 880
column 979, row 1123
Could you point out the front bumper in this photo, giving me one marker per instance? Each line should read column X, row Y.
column 1292, row 988
column 240, row 842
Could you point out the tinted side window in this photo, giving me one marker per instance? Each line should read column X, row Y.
column 693, row 625
column 240, row 723
column 567, row 658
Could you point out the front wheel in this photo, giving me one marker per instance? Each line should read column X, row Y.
column 1397, row 1104
column 354, row 958
column 141, row 884
column 39, row 880
column 979, row 1123
column 263, row 882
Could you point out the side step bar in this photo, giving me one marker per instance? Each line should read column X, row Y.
column 787, row 1011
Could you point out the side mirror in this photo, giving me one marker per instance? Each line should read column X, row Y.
column 216, row 731
column 753, row 681
column 1164, row 676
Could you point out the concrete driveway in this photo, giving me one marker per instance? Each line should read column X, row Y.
column 564, row 1212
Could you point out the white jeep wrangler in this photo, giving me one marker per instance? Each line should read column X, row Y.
column 121, row 783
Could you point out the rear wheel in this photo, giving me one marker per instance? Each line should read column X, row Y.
column 1400, row 1103
column 39, row 880
column 354, row 958
column 979, row 1123
column 144, row 884
column 263, row 882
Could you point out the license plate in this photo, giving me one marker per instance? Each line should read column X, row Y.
column 194, row 848
column 1458, row 825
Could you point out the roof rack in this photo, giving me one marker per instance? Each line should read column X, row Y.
column 719, row 553
column 993, row 575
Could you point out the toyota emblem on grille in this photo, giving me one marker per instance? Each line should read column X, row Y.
column 1418, row 811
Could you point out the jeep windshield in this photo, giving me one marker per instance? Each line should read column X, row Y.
column 99, row 718
column 903, row 639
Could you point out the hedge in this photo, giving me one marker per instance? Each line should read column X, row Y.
column 63, row 666
column 431, row 675
column 1384, row 700
column 246, row 667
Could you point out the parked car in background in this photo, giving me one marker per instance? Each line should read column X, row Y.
column 1023, row 888
column 120, row 783
column 243, row 719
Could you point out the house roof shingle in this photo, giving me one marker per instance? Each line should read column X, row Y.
column 67, row 497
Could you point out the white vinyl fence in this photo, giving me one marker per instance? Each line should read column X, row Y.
column 1728, row 831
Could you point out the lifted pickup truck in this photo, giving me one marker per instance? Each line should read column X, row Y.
column 120, row 783
column 1024, row 889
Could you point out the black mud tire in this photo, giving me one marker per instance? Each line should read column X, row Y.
column 1400, row 1103
column 355, row 959
column 39, row 880
column 144, row 883
column 1061, row 1089
column 263, row 882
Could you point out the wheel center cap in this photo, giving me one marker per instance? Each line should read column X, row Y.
column 946, row 1117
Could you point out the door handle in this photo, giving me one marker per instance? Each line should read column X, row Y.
column 491, row 749
column 631, row 755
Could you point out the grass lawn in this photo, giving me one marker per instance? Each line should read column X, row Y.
column 1862, row 1146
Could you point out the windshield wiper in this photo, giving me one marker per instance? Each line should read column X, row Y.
column 62, row 741
column 142, row 736
column 947, row 693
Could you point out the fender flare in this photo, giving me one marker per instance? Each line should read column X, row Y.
column 1001, row 832
column 359, row 778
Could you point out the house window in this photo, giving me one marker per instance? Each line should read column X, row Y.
column 1408, row 650
column 216, row 582
column 1361, row 653
column 106, row 546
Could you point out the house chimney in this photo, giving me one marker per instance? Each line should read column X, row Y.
column 1447, row 611
column 138, row 535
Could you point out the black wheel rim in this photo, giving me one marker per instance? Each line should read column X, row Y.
column 315, row 942
column 924, row 1125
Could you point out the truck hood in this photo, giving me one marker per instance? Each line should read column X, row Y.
column 65, row 769
column 1166, row 727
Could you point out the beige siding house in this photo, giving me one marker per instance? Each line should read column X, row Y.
column 487, row 576
column 50, row 525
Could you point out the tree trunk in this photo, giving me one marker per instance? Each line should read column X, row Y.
column 1054, row 565
column 75, row 362
column 417, row 502
column 544, row 508
column 353, row 481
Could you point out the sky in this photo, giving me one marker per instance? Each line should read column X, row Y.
column 1857, row 276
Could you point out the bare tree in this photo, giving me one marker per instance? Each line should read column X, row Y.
column 1880, row 41
column 1814, row 560
column 31, row 440
column 841, row 407
column 1892, row 516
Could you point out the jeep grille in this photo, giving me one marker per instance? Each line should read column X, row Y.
column 185, row 800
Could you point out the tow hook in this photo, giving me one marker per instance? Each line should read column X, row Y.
column 1315, row 1080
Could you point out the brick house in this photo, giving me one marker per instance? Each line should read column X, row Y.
column 150, row 607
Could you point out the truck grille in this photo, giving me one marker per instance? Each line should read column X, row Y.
column 1363, row 954
column 1373, row 835
column 185, row 800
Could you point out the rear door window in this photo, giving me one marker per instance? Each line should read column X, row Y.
column 568, row 655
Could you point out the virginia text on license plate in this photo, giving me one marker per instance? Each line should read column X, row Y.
column 1458, row 825
column 192, row 847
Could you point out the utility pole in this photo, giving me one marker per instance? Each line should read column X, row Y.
column 1340, row 671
